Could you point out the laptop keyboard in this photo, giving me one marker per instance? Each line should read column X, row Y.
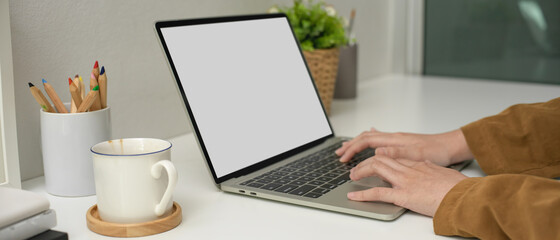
column 311, row 176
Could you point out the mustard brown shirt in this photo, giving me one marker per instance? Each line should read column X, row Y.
column 520, row 151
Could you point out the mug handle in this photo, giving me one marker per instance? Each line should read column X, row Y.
column 172, row 175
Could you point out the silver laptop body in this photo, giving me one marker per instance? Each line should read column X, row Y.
column 254, row 109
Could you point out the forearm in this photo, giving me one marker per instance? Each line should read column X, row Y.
column 524, row 138
column 503, row 206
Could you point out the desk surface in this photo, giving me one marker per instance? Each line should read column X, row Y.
column 390, row 103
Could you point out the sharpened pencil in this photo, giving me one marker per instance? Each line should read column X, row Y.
column 92, row 84
column 103, row 87
column 40, row 98
column 76, row 82
column 73, row 105
column 75, row 93
column 54, row 97
column 95, row 70
column 89, row 100
column 82, row 88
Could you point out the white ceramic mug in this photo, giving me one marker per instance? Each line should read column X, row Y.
column 129, row 182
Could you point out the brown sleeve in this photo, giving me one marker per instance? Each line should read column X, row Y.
column 524, row 138
column 506, row 206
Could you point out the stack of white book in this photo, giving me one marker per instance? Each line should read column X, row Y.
column 24, row 214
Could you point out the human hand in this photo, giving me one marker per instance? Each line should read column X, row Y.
column 442, row 149
column 418, row 186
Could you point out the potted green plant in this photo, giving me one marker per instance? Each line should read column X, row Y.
column 320, row 32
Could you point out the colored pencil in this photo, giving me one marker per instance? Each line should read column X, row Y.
column 76, row 82
column 95, row 70
column 54, row 97
column 89, row 100
column 82, row 88
column 92, row 84
column 73, row 105
column 40, row 98
column 75, row 93
column 103, row 87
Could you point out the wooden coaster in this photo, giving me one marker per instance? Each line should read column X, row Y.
column 97, row 225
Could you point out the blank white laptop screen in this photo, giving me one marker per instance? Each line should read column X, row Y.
column 248, row 89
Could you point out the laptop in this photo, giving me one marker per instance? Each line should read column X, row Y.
column 257, row 115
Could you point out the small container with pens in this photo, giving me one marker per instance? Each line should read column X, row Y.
column 347, row 77
column 69, row 130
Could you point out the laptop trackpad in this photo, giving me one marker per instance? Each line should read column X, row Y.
column 372, row 182
column 379, row 210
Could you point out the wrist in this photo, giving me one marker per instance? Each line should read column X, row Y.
column 457, row 146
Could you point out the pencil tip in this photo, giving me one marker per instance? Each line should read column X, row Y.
column 96, row 65
column 30, row 84
column 96, row 88
column 44, row 81
column 69, row 81
column 92, row 76
column 102, row 70
column 76, row 76
column 81, row 80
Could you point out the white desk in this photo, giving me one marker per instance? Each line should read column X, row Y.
column 390, row 103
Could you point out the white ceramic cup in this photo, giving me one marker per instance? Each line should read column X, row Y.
column 129, row 182
column 65, row 142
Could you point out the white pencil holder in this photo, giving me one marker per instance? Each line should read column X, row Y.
column 66, row 139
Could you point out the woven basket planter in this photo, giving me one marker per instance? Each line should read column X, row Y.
column 323, row 64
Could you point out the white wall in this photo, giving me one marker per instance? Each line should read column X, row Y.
column 58, row 39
